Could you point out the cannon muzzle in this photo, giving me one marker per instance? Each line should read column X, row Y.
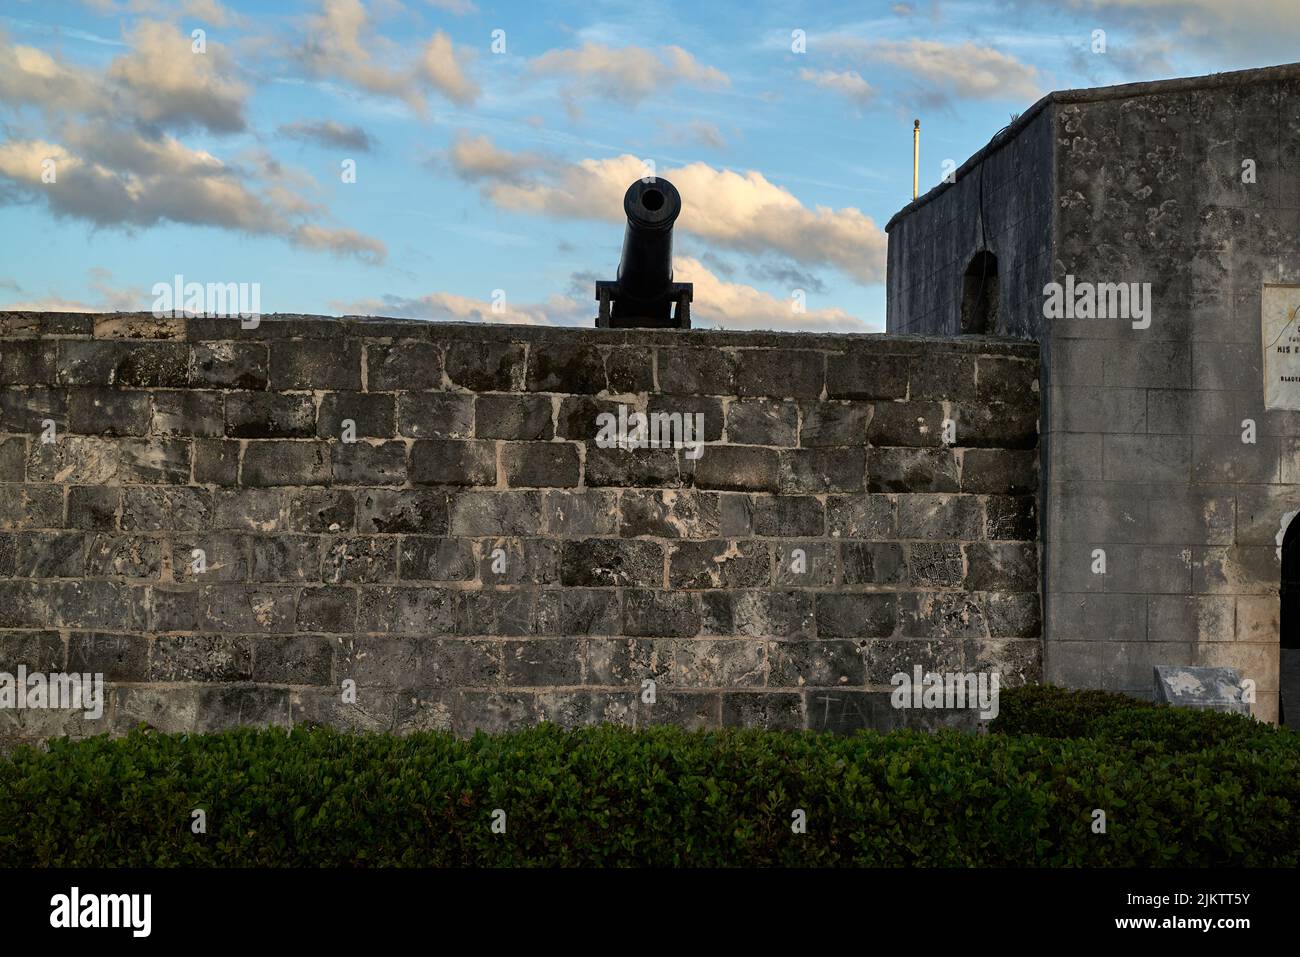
column 644, row 293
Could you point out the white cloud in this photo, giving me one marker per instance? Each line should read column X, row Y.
column 948, row 71
column 717, row 303
column 328, row 133
column 445, row 73
column 170, row 85
column 848, row 84
column 340, row 42
column 123, row 179
column 733, row 305
column 628, row 73
column 741, row 211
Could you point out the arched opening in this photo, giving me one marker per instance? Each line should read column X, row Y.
column 1288, row 712
column 979, row 295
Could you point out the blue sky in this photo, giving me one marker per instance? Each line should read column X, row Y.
column 489, row 174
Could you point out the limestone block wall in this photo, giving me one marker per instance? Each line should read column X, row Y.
column 244, row 526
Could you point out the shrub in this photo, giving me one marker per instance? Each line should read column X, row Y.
column 609, row 796
column 1058, row 713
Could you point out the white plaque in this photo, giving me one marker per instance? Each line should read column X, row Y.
column 1280, row 331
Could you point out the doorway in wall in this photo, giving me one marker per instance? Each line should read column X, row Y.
column 1289, row 630
column 979, row 296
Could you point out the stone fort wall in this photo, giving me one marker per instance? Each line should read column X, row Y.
column 473, row 558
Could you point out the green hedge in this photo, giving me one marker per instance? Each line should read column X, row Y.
column 1178, row 788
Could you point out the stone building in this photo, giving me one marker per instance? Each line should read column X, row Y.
column 1170, row 433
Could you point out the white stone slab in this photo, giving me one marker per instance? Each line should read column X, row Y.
column 1280, row 335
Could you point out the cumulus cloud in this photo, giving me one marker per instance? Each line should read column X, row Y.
column 718, row 303
column 447, row 307
column 733, row 305
column 443, row 71
column 170, row 85
column 109, row 297
column 328, row 133
column 848, row 84
column 31, row 76
column 695, row 133
column 477, row 158
column 945, row 72
column 126, row 180
column 628, row 73
column 742, row 211
column 341, row 43
column 1219, row 29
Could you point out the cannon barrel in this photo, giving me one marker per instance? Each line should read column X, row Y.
column 644, row 293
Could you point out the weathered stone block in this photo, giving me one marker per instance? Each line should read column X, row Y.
column 545, row 662
column 605, row 562
column 857, row 376
column 230, row 365
column 762, row 422
column 331, row 610
column 372, row 416
column 556, row 367
column 785, row 373
column 267, row 415
column 669, row 514
column 202, row 658
column 327, row 510
column 216, row 462
column 525, row 417
column 187, row 413
column 291, row 558
column 272, row 462
column 407, row 611
column 777, row 711
column 435, row 415
column 834, row 423
column 855, row 615
column 496, row 513
column 734, row 468
column 913, row 425
column 585, row 513
column 368, row 463
column 578, row 611
column 818, row 664
column 247, row 609
column 495, row 612
column 166, row 508
column 403, row 365
column 101, row 411
column 718, row 663
column 719, row 564
column 426, row 558
column 917, row 470
column 691, row 371
column 438, row 462
column 540, row 464
column 872, row 563
column 154, row 461
column 650, row 613
column 817, row 471
column 625, row 468
column 321, row 364
column 485, row 366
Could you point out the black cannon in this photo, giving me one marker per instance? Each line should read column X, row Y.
column 644, row 293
